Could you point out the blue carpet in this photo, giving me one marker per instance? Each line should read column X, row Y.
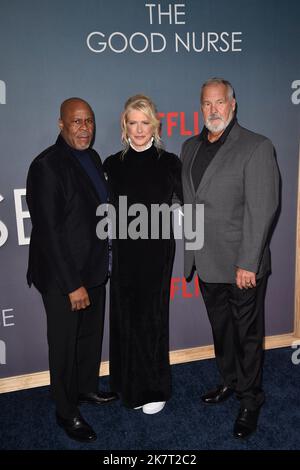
column 28, row 422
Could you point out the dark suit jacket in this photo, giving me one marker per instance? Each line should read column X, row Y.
column 65, row 251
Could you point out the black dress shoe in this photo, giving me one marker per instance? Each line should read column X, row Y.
column 76, row 428
column 245, row 423
column 97, row 398
column 221, row 393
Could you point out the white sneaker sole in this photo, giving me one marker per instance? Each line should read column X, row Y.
column 152, row 408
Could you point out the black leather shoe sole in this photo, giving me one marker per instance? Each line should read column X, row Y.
column 218, row 396
column 80, row 432
column 99, row 400
column 243, row 434
column 71, row 435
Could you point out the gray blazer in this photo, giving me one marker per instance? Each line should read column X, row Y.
column 240, row 193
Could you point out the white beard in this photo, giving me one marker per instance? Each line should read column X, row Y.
column 216, row 128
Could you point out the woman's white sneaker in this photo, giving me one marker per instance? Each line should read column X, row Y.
column 154, row 407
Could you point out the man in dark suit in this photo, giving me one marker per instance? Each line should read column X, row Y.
column 233, row 172
column 68, row 264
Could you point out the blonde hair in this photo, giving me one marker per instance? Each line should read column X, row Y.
column 144, row 104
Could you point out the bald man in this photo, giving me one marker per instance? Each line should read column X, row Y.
column 68, row 264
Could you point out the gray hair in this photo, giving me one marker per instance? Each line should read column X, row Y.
column 219, row 81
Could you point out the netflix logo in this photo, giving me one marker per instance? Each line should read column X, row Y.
column 180, row 288
column 179, row 123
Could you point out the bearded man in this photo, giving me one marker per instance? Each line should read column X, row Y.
column 233, row 172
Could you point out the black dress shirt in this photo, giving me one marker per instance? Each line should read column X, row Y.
column 207, row 152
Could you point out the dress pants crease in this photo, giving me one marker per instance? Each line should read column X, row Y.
column 75, row 343
column 237, row 321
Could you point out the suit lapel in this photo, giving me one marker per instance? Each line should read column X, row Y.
column 219, row 158
column 189, row 165
column 98, row 164
column 84, row 177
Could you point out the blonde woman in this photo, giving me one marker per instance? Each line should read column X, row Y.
column 140, row 285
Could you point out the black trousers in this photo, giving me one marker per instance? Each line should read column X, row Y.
column 75, row 343
column 237, row 320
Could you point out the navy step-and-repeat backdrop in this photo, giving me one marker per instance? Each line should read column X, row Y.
column 105, row 52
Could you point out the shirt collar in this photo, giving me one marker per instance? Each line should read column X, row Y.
column 204, row 133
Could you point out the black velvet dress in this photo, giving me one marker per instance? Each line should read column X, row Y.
column 140, row 282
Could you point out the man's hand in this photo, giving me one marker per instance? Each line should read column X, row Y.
column 245, row 279
column 79, row 299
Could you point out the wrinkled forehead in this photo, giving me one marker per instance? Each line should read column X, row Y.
column 76, row 108
column 215, row 91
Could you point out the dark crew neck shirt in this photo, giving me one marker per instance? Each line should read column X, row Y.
column 89, row 166
column 99, row 183
column 207, row 152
